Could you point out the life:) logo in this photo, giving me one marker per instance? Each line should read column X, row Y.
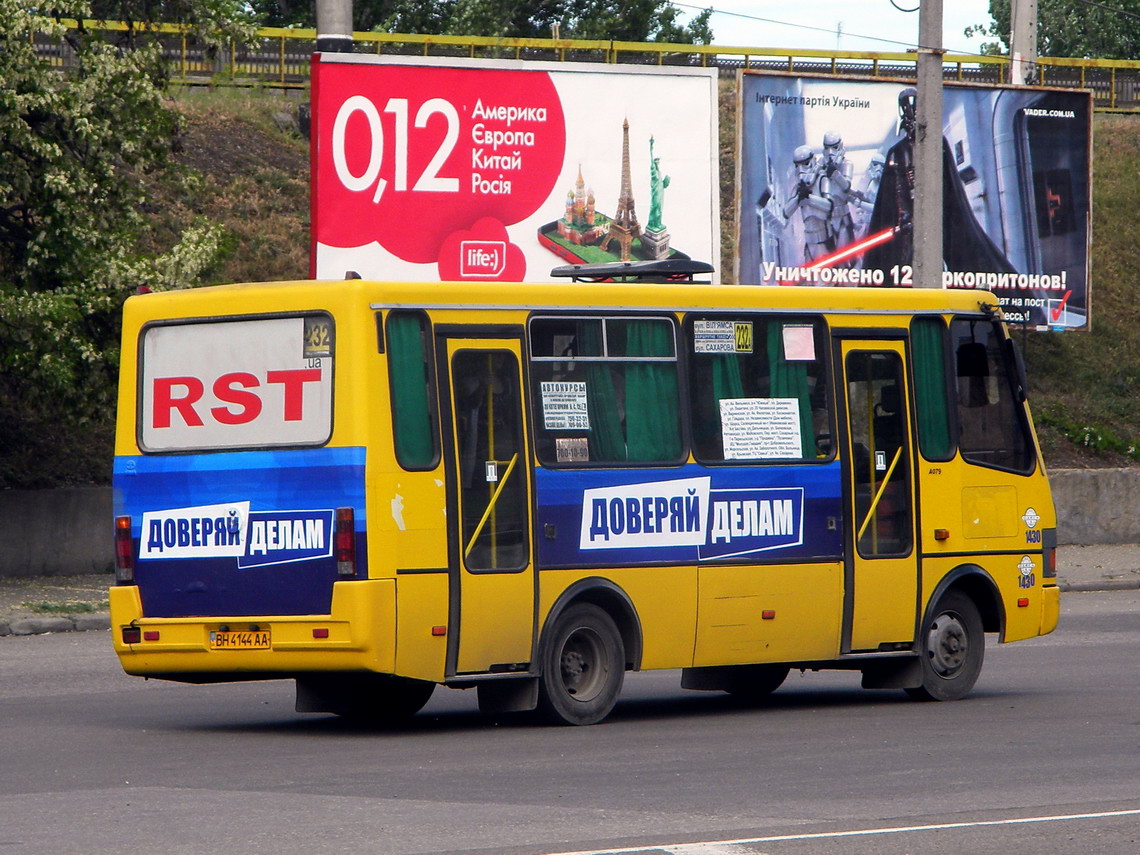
column 482, row 258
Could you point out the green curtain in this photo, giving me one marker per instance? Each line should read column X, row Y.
column 607, row 444
column 726, row 383
column 790, row 380
column 652, row 420
column 930, row 393
column 407, row 374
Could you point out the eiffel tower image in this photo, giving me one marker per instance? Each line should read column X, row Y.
column 624, row 227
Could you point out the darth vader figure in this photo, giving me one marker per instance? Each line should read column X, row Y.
column 965, row 245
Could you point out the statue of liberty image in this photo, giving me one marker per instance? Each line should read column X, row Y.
column 657, row 185
column 654, row 238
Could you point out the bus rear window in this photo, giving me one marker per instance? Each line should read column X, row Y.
column 250, row 383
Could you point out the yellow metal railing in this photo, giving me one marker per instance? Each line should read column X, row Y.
column 280, row 57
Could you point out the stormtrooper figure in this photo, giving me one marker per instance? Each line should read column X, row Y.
column 815, row 208
column 868, row 190
column 836, row 184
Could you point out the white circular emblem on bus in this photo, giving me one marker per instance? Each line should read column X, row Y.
column 1026, row 565
column 1030, row 517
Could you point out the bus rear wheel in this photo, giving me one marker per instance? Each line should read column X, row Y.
column 953, row 646
column 583, row 666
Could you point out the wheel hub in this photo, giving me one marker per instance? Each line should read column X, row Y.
column 947, row 645
column 579, row 665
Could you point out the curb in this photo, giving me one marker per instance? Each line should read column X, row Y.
column 1105, row 585
column 46, row 625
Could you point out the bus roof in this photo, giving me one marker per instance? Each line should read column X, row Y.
column 583, row 296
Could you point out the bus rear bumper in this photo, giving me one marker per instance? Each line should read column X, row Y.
column 357, row 635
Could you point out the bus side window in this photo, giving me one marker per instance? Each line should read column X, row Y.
column 605, row 390
column 758, row 388
column 992, row 425
column 411, row 382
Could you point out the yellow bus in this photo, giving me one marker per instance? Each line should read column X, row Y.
column 375, row 488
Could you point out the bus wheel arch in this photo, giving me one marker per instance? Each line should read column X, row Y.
column 974, row 582
column 615, row 602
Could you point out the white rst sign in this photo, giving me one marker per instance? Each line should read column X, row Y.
column 236, row 384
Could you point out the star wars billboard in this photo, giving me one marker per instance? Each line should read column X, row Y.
column 826, row 178
column 427, row 169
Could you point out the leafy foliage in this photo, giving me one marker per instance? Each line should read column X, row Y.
column 1072, row 28
column 212, row 22
column 77, row 146
column 626, row 20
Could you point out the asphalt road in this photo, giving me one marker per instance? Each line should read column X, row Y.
column 1043, row 757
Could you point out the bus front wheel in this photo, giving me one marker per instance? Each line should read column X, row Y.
column 953, row 645
column 583, row 665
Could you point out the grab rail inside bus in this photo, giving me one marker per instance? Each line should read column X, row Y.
column 879, row 493
column 490, row 505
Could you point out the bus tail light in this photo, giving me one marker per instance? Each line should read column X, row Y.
column 1049, row 553
column 345, row 542
column 124, row 552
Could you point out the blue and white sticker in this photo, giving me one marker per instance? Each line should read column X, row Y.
column 687, row 512
column 254, row 538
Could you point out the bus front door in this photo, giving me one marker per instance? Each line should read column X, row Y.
column 492, row 605
column 881, row 569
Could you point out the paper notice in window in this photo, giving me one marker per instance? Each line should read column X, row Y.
column 799, row 343
column 755, row 428
column 564, row 406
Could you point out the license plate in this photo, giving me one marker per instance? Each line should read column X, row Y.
column 239, row 640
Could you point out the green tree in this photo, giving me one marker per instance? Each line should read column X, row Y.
column 77, row 146
column 633, row 20
column 1071, row 28
column 212, row 22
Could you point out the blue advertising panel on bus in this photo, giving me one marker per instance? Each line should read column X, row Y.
column 692, row 514
column 242, row 533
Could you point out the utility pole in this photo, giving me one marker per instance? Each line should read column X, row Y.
column 928, row 149
column 334, row 26
column 1023, row 42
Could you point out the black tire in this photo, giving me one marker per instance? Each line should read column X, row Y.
column 385, row 700
column 953, row 646
column 583, row 666
column 752, row 684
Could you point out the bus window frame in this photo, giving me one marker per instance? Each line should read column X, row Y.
column 140, row 351
column 428, row 332
column 1024, row 423
column 677, row 359
column 821, row 335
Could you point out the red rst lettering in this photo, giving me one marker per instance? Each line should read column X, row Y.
column 294, row 381
column 164, row 400
column 249, row 402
